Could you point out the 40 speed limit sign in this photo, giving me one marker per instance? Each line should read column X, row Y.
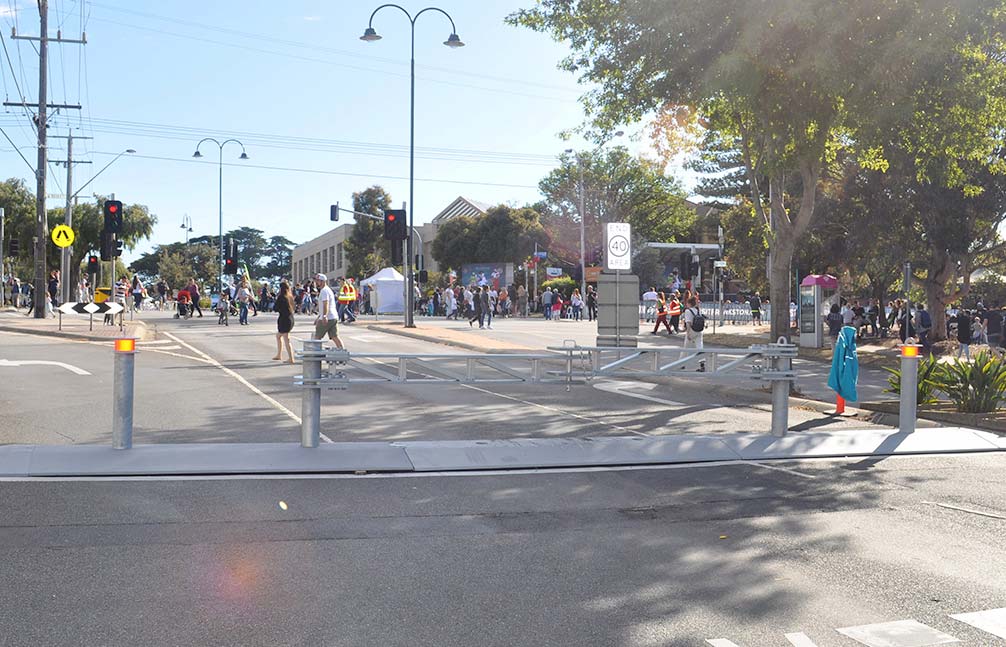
column 617, row 237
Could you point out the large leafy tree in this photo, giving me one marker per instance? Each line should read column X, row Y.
column 88, row 221
column 617, row 187
column 504, row 234
column 176, row 262
column 279, row 250
column 18, row 203
column 789, row 80
column 366, row 250
column 456, row 242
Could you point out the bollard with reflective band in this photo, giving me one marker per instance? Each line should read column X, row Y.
column 122, row 393
column 908, row 410
column 310, row 413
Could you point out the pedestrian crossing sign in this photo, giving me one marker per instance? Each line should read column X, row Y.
column 62, row 236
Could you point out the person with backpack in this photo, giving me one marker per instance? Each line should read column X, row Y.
column 695, row 323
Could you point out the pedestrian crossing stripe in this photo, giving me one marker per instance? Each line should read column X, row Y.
column 992, row 621
column 902, row 633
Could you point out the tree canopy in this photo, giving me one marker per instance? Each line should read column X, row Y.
column 790, row 81
column 504, row 234
column 366, row 250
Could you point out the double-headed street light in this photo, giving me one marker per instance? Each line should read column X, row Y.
column 453, row 41
column 244, row 156
column 580, row 191
column 187, row 227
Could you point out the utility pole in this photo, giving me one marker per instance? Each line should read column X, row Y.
column 66, row 256
column 42, row 224
column 3, row 262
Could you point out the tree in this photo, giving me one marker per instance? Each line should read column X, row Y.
column 456, row 242
column 790, row 80
column 18, row 202
column 366, row 250
column 617, row 187
column 279, row 250
column 89, row 220
column 504, row 234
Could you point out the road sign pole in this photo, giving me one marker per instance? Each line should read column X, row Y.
column 122, row 393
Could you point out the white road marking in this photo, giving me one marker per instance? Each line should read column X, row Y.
column 800, row 640
column 38, row 362
column 618, row 387
column 779, row 469
column 992, row 621
column 254, row 389
column 535, row 404
column 900, row 633
column 720, row 642
column 968, row 510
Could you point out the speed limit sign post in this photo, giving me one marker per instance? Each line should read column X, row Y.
column 618, row 246
column 618, row 257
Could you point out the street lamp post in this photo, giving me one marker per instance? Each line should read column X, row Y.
column 187, row 227
column 220, row 192
column 453, row 41
column 580, row 191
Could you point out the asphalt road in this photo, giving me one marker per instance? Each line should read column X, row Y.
column 629, row 558
column 201, row 382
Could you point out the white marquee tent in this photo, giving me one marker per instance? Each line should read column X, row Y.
column 388, row 291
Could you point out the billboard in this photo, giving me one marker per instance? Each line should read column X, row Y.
column 496, row 275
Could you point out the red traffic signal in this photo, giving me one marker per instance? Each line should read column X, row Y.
column 112, row 208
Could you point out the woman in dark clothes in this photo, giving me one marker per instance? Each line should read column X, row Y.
column 284, row 306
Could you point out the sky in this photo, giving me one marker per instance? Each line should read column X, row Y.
column 320, row 113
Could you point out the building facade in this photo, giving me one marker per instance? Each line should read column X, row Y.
column 326, row 253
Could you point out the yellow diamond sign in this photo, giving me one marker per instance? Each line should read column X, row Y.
column 62, row 236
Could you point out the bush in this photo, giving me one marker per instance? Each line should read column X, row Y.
column 563, row 284
column 929, row 381
column 978, row 386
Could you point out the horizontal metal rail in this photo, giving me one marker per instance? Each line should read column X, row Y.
column 770, row 362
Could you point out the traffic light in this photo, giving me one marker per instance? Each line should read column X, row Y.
column 113, row 216
column 15, row 247
column 333, row 212
column 92, row 264
column 231, row 257
column 118, row 248
column 107, row 245
column 424, row 276
column 395, row 226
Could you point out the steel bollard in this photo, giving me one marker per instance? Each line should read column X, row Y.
column 780, row 391
column 310, row 411
column 122, row 393
column 908, row 410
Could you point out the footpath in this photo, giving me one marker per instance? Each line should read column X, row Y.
column 78, row 327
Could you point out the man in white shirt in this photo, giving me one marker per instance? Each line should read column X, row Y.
column 650, row 304
column 327, row 322
column 693, row 338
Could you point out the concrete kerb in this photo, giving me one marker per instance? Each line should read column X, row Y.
column 193, row 459
column 139, row 331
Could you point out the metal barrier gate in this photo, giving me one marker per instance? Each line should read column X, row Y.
column 568, row 364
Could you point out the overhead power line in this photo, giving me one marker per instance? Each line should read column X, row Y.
column 314, row 47
column 190, row 160
column 322, row 61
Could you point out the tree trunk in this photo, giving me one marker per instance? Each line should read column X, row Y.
column 938, row 274
column 779, row 287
